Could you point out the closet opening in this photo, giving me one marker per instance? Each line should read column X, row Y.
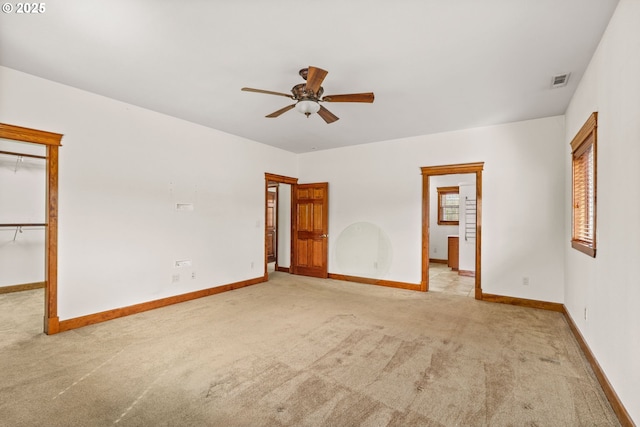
column 21, row 216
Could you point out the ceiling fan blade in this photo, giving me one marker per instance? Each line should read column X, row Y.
column 351, row 97
column 268, row 92
column 281, row 111
column 327, row 115
column 315, row 77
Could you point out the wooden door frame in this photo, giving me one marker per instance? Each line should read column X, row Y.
column 465, row 168
column 52, row 142
column 280, row 179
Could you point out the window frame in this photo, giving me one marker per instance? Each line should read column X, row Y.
column 442, row 191
column 583, row 215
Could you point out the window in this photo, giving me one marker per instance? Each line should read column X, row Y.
column 448, row 205
column 583, row 150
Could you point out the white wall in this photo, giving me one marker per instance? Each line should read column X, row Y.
column 122, row 170
column 22, row 200
column 607, row 287
column 523, row 200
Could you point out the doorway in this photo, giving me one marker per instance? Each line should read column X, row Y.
column 472, row 227
column 452, row 234
column 51, row 142
column 302, row 226
column 271, row 225
column 278, row 211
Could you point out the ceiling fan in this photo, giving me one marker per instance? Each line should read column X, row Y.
column 309, row 95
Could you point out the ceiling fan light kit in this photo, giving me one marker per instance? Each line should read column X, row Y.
column 308, row 96
column 307, row 107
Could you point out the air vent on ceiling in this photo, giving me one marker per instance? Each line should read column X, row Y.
column 560, row 80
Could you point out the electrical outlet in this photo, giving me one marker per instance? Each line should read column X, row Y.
column 525, row 281
column 585, row 313
column 193, row 275
column 175, row 278
column 251, row 264
column 435, row 250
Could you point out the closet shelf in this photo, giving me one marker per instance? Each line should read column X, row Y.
column 18, row 227
column 24, row 224
column 11, row 153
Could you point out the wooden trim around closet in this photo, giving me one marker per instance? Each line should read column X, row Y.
column 52, row 141
column 51, row 320
column 35, row 136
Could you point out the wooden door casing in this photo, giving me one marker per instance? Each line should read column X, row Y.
column 311, row 227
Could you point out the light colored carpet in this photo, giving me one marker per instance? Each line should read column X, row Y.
column 298, row 351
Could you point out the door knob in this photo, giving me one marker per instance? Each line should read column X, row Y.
column 324, row 236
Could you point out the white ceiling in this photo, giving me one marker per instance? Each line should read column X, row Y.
column 434, row 65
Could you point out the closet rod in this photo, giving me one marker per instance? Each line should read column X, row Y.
column 31, row 224
column 23, row 155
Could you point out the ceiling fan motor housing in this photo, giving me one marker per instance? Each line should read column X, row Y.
column 300, row 92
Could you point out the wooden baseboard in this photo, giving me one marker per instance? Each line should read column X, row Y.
column 544, row 305
column 612, row 396
column 377, row 282
column 20, row 288
column 283, row 269
column 78, row 322
column 438, row 261
column 467, row 273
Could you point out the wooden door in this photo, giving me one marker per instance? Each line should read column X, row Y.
column 310, row 228
column 270, row 228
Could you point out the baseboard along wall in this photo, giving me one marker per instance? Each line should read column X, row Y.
column 377, row 282
column 23, row 287
column 612, row 396
column 78, row 322
column 614, row 400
